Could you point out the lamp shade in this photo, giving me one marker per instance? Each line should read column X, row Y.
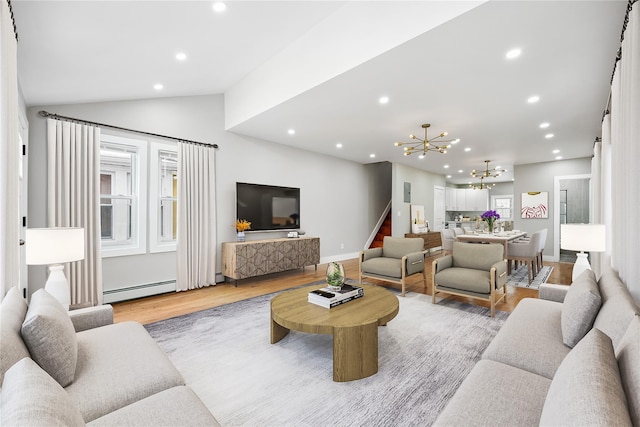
column 583, row 237
column 46, row 246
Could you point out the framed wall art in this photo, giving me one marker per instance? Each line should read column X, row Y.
column 535, row 204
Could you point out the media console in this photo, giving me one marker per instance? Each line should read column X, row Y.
column 241, row 260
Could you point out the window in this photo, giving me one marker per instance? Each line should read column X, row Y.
column 163, row 201
column 122, row 209
column 503, row 205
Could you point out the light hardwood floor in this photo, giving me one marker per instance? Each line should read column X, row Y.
column 159, row 307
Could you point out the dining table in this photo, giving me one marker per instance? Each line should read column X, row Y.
column 503, row 237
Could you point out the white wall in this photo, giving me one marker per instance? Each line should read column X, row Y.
column 335, row 194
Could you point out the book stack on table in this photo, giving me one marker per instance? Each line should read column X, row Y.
column 328, row 298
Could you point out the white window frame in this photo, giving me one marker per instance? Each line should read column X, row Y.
column 139, row 200
column 502, row 196
column 156, row 244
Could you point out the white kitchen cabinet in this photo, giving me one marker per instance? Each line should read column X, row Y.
column 462, row 199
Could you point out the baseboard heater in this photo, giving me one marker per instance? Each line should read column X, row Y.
column 138, row 291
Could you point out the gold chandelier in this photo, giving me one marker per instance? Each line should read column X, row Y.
column 482, row 185
column 422, row 146
column 487, row 173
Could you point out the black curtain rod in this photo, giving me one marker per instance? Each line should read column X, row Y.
column 46, row 114
column 13, row 19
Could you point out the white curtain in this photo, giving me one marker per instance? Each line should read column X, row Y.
column 625, row 157
column 601, row 187
column 196, row 246
column 73, row 200
column 9, row 156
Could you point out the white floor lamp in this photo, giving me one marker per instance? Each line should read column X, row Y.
column 583, row 238
column 53, row 247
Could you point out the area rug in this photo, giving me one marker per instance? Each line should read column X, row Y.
column 226, row 357
column 520, row 277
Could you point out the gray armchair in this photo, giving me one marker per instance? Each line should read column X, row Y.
column 397, row 259
column 474, row 270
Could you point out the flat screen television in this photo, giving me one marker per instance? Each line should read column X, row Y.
column 268, row 207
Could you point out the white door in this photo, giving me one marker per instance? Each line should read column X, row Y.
column 438, row 208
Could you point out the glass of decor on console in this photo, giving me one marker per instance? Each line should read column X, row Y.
column 335, row 276
column 490, row 217
column 241, row 226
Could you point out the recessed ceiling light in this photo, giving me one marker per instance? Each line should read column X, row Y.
column 291, row 131
column 383, row 99
column 460, row 171
column 219, row 7
column 555, row 151
column 158, row 86
column 339, row 145
column 372, row 155
column 544, row 125
column 558, row 157
column 549, row 136
column 514, row 53
column 467, row 149
column 446, row 166
column 533, row 99
column 448, row 176
column 181, row 56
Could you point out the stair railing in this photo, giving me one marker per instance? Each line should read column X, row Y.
column 378, row 225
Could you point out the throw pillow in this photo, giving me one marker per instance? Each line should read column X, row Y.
column 12, row 347
column 586, row 389
column 49, row 334
column 580, row 307
column 30, row 397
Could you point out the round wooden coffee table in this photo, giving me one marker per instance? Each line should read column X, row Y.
column 354, row 326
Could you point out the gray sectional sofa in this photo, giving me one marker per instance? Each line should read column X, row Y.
column 78, row 368
column 571, row 357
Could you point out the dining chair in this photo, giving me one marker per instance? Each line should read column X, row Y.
column 525, row 251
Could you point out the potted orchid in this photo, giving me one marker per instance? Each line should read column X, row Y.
column 490, row 217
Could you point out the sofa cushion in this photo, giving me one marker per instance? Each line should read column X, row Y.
column 587, row 389
column 531, row 338
column 177, row 406
column 495, row 394
column 12, row 313
column 30, row 397
column 49, row 334
column 618, row 307
column 580, row 308
column 467, row 279
column 117, row 365
column 628, row 355
column 397, row 247
column 390, row 267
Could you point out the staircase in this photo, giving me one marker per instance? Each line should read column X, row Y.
column 384, row 230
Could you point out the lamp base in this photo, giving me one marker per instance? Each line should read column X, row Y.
column 582, row 264
column 58, row 285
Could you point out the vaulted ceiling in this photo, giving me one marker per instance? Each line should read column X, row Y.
column 320, row 68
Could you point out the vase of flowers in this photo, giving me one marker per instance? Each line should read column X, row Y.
column 490, row 217
column 242, row 225
column 335, row 276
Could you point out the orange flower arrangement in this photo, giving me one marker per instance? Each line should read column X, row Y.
column 242, row 225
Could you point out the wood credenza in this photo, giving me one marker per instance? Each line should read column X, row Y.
column 241, row 260
column 432, row 239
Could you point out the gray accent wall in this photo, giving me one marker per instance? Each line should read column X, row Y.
column 422, row 183
column 541, row 177
column 336, row 195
